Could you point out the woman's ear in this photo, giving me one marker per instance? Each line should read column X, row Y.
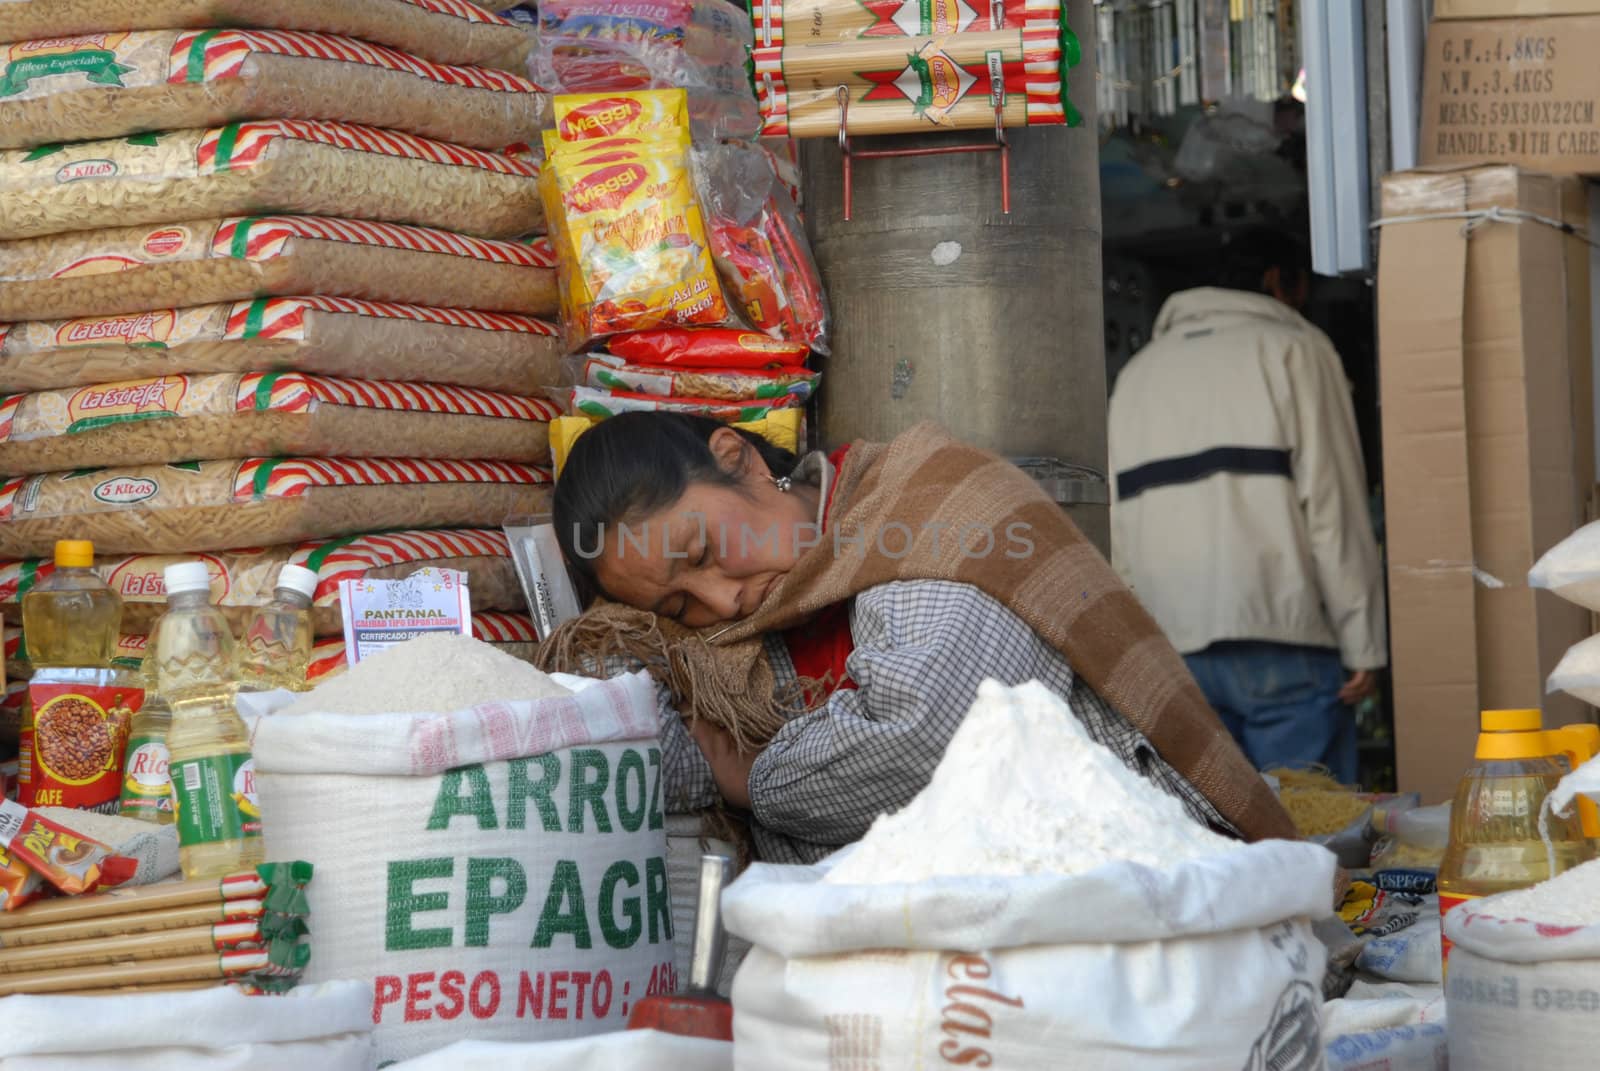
column 734, row 456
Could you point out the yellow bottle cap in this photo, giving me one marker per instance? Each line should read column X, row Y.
column 74, row 553
column 1511, row 721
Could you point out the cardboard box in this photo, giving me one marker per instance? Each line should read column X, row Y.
column 1512, row 9
column 1488, row 425
column 1517, row 91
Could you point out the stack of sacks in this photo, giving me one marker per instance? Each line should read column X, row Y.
column 243, row 580
column 181, row 374
column 705, row 299
column 1571, row 569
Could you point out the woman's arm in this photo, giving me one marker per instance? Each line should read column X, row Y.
column 921, row 650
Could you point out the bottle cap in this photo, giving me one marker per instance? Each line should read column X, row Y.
column 74, row 553
column 1510, row 721
column 298, row 578
column 187, row 576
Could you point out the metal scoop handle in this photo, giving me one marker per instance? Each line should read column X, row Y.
column 705, row 962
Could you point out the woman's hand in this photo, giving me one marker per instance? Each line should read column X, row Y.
column 729, row 769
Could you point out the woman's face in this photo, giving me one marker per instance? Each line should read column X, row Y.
column 712, row 556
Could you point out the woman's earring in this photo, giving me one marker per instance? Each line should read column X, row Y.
column 783, row 483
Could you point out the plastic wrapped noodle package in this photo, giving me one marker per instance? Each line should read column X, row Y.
column 444, row 31
column 135, row 269
column 706, row 347
column 900, row 85
column 296, row 167
column 631, row 240
column 759, row 244
column 610, row 372
column 821, row 21
column 111, row 85
column 244, row 579
column 213, row 505
column 701, row 46
column 591, row 402
column 272, row 414
column 317, row 335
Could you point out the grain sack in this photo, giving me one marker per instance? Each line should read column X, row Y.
column 286, row 166
column 1571, row 568
column 137, row 269
column 510, row 634
column 323, row 335
column 444, row 31
column 1524, row 978
column 941, row 937
column 269, row 414
column 213, row 505
column 113, row 85
column 311, row 1028
column 627, row 1049
column 495, row 871
column 244, row 579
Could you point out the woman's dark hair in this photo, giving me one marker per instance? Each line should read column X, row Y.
column 631, row 466
column 1248, row 255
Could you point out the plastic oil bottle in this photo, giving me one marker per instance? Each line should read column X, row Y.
column 213, row 776
column 1495, row 844
column 146, row 780
column 76, row 719
column 275, row 647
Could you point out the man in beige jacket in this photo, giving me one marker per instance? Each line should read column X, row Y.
column 1239, row 512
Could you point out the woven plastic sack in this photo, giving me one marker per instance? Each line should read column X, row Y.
column 112, row 85
column 214, row 505
column 315, row 168
column 1571, row 568
column 608, row 1052
column 320, row 335
column 496, row 873
column 444, row 31
column 244, row 579
column 267, row 414
column 137, row 269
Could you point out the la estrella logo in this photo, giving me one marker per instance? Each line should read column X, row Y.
column 119, row 403
column 918, row 18
column 94, row 56
column 932, row 81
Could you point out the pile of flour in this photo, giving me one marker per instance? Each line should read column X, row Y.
column 1022, row 789
column 1571, row 898
column 436, row 672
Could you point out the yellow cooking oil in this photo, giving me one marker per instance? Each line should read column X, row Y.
column 275, row 647
column 71, row 618
column 1495, row 844
column 146, row 768
column 212, row 773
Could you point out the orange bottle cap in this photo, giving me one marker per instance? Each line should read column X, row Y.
column 74, row 553
column 1511, row 721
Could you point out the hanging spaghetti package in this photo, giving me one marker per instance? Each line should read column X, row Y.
column 914, row 84
column 701, row 46
column 809, row 22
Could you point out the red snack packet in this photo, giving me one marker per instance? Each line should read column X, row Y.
column 18, row 884
column 71, row 863
column 710, row 347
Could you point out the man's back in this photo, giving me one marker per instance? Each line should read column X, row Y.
column 1239, row 495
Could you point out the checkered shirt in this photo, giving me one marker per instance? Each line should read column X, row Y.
column 922, row 647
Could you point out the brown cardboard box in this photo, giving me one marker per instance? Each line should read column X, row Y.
column 1510, row 9
column 1485, row 379
column 1518, row 91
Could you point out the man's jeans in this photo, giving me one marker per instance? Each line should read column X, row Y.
column 1281, row 703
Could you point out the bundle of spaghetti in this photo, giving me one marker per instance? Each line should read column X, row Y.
column 915, row 83
column 1317, row 802
column 822, row 21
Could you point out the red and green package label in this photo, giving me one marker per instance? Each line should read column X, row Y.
column 146, row 784
column 215, row 798
column 1448, row 902
column 74, row 743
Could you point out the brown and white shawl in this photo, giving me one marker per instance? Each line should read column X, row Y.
column 926, row 481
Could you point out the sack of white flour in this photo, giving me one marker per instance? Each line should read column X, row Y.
column 1037, row 906
column 1571, row 568
column 311, row 1028
column 489, row 845
column 1524, row 976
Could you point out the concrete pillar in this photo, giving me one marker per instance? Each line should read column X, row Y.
column 946, row 309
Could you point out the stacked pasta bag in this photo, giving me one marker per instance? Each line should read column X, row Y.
column 687, row 285
column 183, row 373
